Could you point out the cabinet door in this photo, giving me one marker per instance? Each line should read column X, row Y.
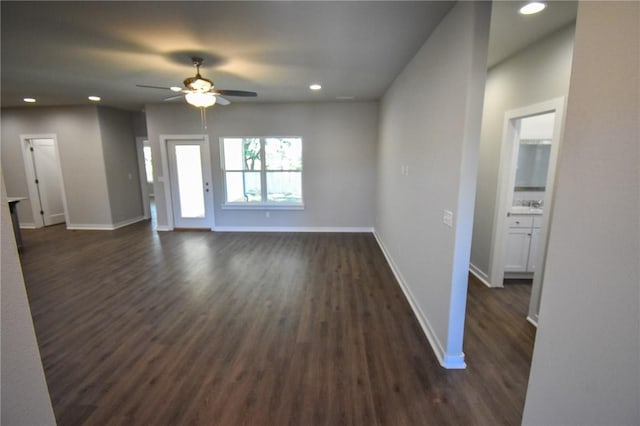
column 517, row 253
column 533, row 250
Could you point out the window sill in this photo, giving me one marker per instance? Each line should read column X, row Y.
column 232, row 206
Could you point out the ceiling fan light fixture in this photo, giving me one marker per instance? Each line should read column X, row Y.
column 29, row 100
column 200, row 99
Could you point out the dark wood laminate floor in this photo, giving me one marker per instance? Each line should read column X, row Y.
column 192, row 328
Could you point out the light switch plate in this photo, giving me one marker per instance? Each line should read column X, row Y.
column 447, row 218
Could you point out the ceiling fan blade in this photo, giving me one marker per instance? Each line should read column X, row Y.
column 234, row 93
column 151, row 87
column 171, row 98
column 222, row 101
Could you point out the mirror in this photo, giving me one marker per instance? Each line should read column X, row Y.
column 534, row 150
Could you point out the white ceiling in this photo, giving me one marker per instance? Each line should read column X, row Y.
column 511, row 32
column 61, row 52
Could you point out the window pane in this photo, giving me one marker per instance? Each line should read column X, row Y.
column 252, row 154
column 283, row 153
column 284, row 187
column 243, row 187
column 242, row 154
column 233, row 154
column 189, row 174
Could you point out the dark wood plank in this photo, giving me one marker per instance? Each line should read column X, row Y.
column 143, row 328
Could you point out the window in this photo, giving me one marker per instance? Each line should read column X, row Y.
column 262, row 171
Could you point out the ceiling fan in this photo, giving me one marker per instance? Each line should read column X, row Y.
column 199, row 91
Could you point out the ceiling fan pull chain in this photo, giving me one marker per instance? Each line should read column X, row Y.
column 203, row 119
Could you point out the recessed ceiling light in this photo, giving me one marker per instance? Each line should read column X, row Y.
column 29, row 100
column 315, row 86
column 345, row 98
column 175, row 89
column 532, row 7
column 94, row 98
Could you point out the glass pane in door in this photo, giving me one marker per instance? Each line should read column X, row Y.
column 190, row 182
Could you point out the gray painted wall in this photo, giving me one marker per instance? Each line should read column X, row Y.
column 586, row 361
column 139, row 124
column 339, row 148
column 121, row 164
column 81, row 157
column 25, row 397
column 430, row 122
column 536, row 74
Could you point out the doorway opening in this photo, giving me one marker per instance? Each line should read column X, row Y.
column 531, row 140
column 145, row 169
column 45, row 180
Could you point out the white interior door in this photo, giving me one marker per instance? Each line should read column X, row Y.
column 190, row 182
column 48, row 179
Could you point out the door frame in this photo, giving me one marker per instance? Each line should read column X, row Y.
column 504, row 196
column 30, row 175
column 166, row 178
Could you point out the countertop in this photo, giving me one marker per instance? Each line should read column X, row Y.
column 525, row 210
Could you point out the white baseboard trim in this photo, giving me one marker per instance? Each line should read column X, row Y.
column 532, row 321
column 454, row 362
column 518, row 275
column 448, row 361
column 128, row 222
column 164, row 228
column 89, row 227
column 28, row 225
column 103, row 227
column 291, row 229
column 481, row 276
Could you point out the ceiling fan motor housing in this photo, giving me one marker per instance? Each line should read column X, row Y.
column 198, row 83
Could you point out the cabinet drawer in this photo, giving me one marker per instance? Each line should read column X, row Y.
column 518, row 221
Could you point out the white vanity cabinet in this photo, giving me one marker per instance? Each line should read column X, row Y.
column 522, row 243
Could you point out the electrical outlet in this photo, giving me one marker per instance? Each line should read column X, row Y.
column 447, row 218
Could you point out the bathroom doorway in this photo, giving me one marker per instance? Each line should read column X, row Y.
column 525, row 196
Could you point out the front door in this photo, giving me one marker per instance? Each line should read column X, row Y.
column 190, row 179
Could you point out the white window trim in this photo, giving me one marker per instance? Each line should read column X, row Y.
column 261, row 206
column 265, row 205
